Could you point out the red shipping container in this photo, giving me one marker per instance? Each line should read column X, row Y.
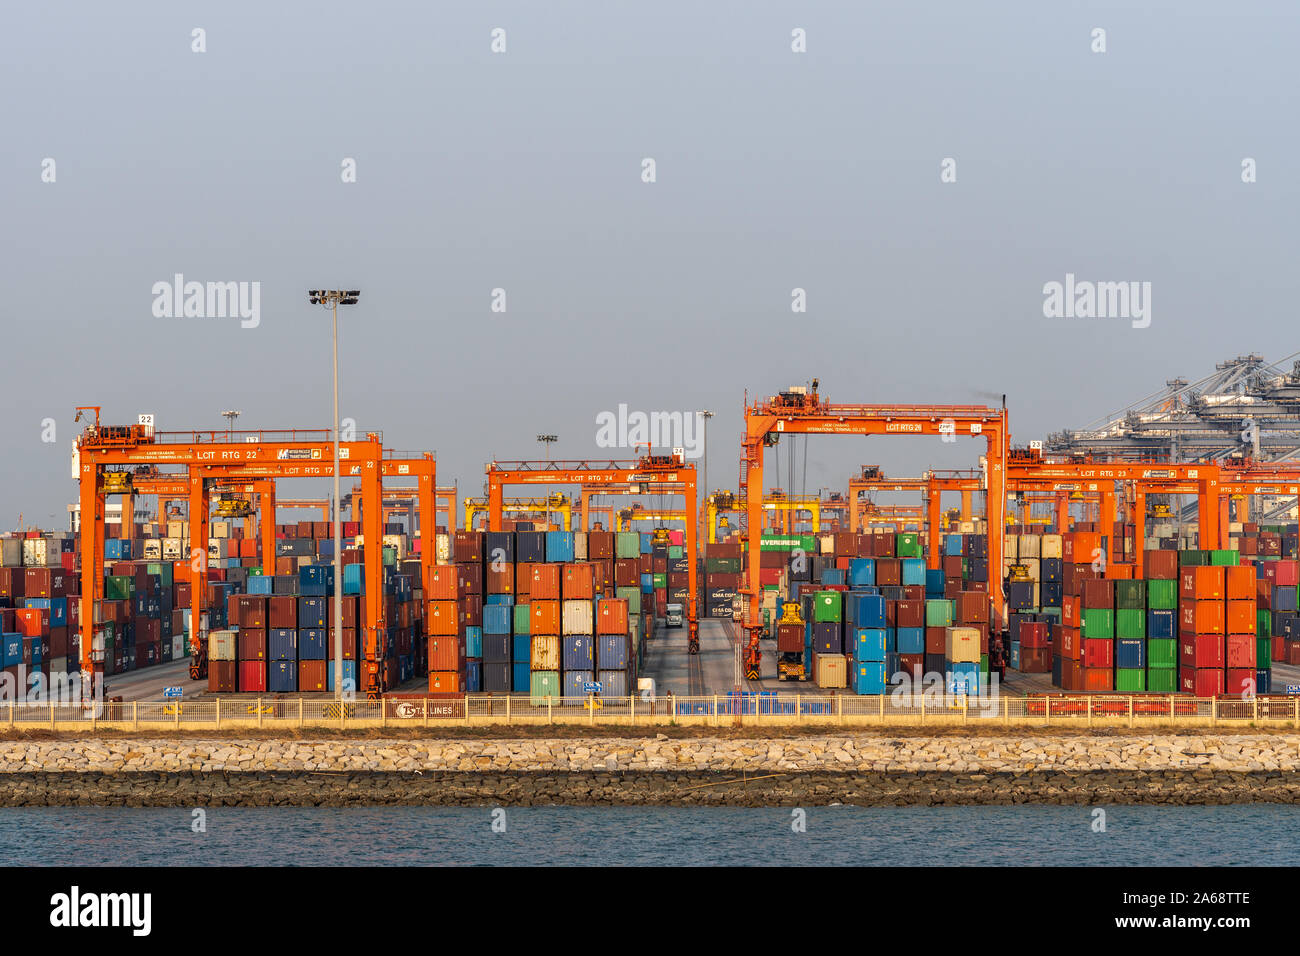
column 1160, row 565
column 889, row 571
column 769, row 576
column 1097, row 678
column 1239, row 651
column 789, row 638
column 442, row 584
column 1239, row 681
column 611, row 616
column 579, row 582
column 349, row 644
column 936, row 640
column 222, row 677
column 1201, row 584
column 909, row 614
column 469, row 579
column 1200, row 650
column 1071, row 611
column 1034, row 634
column 501, row 580
column 1287, row 572
column 1070, row 675
column 312, row 675
column 446, row 653
column 471, row 610
column 250, row 645
column 444, row 682
column 1098, row 653
column 282, row 611
column 545, row 584
column 1071, row 643
column 1201, row 617
column 252, row 675
column 1098, row 593
column 351, row 611
column 913, row 665
column 58, row 642
column 1035, row 660
column 252, row 611
column 443, row 618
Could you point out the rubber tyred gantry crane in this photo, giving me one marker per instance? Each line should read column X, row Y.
column 209, row 457
column 634, row 476
column 802, row 411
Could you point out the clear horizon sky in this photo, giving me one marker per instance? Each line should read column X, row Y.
column 523, row 171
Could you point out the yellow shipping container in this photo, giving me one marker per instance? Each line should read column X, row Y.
column 1051, row 546
column 962, row 645
column 545, row 653
column 831, row 670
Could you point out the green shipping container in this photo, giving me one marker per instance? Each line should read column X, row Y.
column 390, row 556
column 722, row 565
column 523, row 619
column 1162, row 653
column 631, row 594
column 162, row 570
column 1130, row 680
column 938, row 613
column 1053, row 612
column 543, row 684
column 1162, row 680
column 1192, row 558
column 676, row 551
column 119, row 587
column 1263, row 623
column 627, row 544
column 1162, row 595
column 660, row 579
column 1130, row 595
column 907, row 545
column 1098, row 623
column 827, row 607
column 1225, row 558
column 984, row 664
column 1130, row 623
column 1263, row 653
column 805, row 542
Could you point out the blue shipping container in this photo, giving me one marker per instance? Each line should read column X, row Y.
column 473, row 642
column 495, row 599
column 474, row 677
column 613, row 683
column 913, row 571
column 869, row 677
column 559, row 546
column 1160, row 625
column 261, row 584
column 832, row 575
column 577, row 653
column 312, row 644
column 281, row 677
column 519, row 678
column 1130, row 654
column 862, row 572
column 571, row 686
column 866, row 610
column 963, row 679
column 869, row 643
column 522, row 649
column 911, row 640
column 349, row 674
column 612, row 652
column 497, row 619
column 282, row 644
column 354, row 580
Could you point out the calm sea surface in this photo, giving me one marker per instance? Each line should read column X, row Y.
column 600, row 836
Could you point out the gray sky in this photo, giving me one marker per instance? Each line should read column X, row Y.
column 522, row 171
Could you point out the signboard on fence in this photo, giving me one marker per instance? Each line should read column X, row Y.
column 173, row 693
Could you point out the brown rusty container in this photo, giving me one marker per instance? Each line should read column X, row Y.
column 467, row 546
column 600, row 545
column 545, row 585
column 222, row 676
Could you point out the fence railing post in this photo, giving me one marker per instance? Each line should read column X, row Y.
column 882, row 708
column 1214, row 711
column 965, row 703
column 1171, row 709
column 1254, row 708
column 1006, row 710
column 383, row 712
column 259, row 712
column 1089, row 710
column 798, row 707
column 549, row 716
column 425, row 711
column 839, row 707
column 507, row 708
column 135, row 715
column 631, row 702
column 591, row 708
column 922, row 706
column 11, row 713
column 218, row 713
column 178, row 713
column 1047, row 711
column 1130, row 710
column 1295, row 712
column 300, row 712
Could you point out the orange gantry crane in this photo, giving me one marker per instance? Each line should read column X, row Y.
column 106, row 452
column 633, row 477
column 801, row 410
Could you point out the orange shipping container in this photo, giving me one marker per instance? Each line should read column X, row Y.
column 1202, row 617
column 442, row 583
column 1201, row 584
column 1241, row 618
column 1239, row 585
column 444, row 682
column 1070, row 610
column 546, row 586
column 445, row 653
column 611, row 616
column 442, row 618
column 579, row 582
column 545, row 614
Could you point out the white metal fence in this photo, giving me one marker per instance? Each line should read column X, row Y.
column 721, row 710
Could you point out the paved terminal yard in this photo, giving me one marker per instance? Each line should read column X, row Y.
column 712, row 671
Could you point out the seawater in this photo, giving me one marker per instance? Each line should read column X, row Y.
column 630, row 836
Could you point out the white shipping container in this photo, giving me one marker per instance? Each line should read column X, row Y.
column 153, row 549
column 178, row 646
column 218, row 548
column 221, row 529
column 1010, row 546
column 58, row 666
column 221, row 646
column 1051, row 546
column 1034, row 566
column 576, row 617
column 11, row 552
column 966, row 527
column 172, row 549
column 397, row 541
column 826, row 544
column 443, row 554
column 37, row 553
column 580, row 546
column 1029, row 545
column 545, row 653
column 177, row 529
column 962, row 645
